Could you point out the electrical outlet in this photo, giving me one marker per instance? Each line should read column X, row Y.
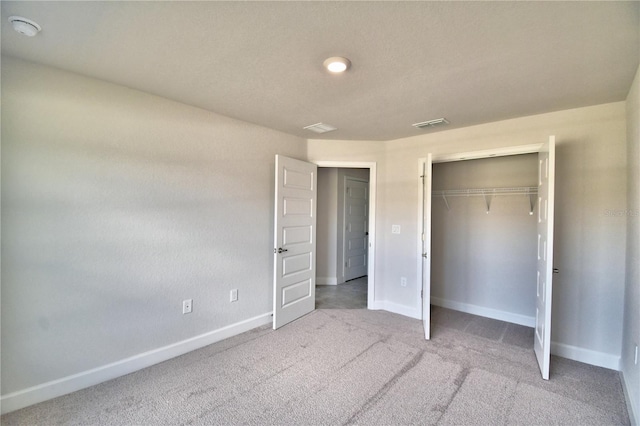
column 395, row 229
column 403, row 281
column 234, row 295
column 187, row 306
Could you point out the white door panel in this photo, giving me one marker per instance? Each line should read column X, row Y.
column 356, row 205
column 294, row 240
column 546, row 189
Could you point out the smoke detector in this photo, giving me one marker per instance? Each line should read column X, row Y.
column 431, row 123
column 25, row 26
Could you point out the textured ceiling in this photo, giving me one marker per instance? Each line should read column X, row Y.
column 471, row 62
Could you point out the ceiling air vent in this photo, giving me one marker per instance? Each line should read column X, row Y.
column 431, row 123
column 320, row 128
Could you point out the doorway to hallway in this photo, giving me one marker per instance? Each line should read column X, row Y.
column 349, row 295
column 343, row 214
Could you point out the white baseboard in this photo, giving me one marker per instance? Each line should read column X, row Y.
column 599, row 359
column 395, row 308
column 33, row 395
column 485, row 312
column 326, row 281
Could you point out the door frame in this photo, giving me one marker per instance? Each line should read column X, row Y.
column 461, row 156
column 371, row 165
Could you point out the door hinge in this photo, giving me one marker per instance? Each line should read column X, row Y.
column 423, row 236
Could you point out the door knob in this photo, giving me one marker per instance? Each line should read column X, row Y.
column 281, row 250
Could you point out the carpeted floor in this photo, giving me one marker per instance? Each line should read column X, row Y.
column 352, row 367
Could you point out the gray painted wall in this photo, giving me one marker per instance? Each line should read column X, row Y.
column 479, row 259
column 631, row 335
column 116, row 206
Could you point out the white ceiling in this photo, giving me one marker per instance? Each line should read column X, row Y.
column 261, row 62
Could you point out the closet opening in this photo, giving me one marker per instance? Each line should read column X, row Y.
column 484, row 247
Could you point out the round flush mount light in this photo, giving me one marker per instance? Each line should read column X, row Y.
column 337, row 64
column 25, row 26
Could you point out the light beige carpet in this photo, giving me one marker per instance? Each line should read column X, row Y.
column 352, row 367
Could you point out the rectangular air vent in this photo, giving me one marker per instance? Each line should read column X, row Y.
column 431, row 123
column 320, row 128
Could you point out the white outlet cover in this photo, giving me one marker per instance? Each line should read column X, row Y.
column 395, row 229
column 233, row 297
column 187, row 306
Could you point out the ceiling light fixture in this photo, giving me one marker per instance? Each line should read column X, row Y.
column 25, row 26
column 337, row 64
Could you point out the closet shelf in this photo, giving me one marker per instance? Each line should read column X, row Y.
column 488, row 193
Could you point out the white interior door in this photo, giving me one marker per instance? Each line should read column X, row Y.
column 426, row 246
column 546, row 184
column 294, row 286
column 356, row 224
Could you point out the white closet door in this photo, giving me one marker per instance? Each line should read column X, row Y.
column 426, row 246
column 546, row 186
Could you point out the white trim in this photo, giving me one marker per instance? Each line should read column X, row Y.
column 495, row 152
column 373, row 187
column 326, row 280
column 85, row 379
column 395, row 308
column 599, row 359
column 485, row 312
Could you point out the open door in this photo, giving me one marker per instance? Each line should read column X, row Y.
column 426, row 246
column 294, row 254
column 546, row 184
